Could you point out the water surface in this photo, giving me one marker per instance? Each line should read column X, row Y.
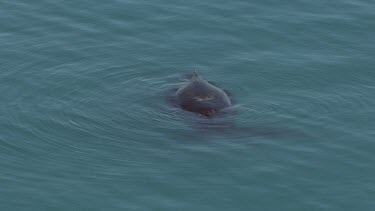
column 85, row 124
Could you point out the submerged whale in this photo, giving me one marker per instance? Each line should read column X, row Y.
column 205, row 98
column 200, row 96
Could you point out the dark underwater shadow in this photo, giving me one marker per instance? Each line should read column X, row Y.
column 224, row 125
column 229, row 128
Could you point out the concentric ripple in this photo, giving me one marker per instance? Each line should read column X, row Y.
column 87, row 124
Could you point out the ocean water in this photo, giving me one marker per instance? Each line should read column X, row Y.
column 85, row 124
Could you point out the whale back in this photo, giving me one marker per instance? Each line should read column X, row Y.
column 202, row 97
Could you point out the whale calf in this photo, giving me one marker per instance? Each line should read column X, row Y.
column 200, row 96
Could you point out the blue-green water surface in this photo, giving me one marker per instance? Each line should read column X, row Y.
column 85, row 124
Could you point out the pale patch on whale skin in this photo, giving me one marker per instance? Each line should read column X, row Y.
column 200, row 99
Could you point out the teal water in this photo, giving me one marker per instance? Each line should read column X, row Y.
column 85, row 124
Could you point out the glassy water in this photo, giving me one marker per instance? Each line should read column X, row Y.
column 85, row 124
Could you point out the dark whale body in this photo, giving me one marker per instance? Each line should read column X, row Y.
column 202, row 97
